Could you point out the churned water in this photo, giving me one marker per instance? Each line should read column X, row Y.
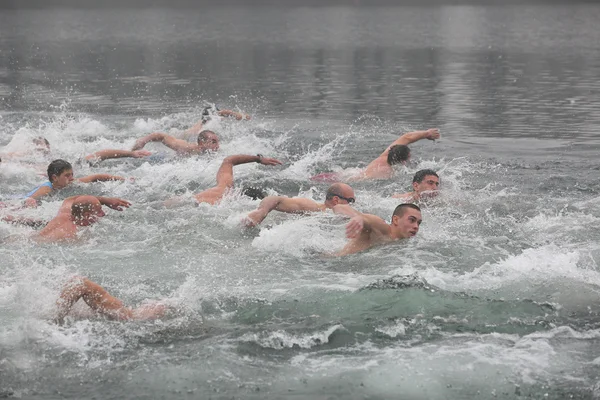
column 497, row 296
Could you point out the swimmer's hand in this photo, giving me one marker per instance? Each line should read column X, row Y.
column 355, row 227
column 433, row 134
column 30, row 202
column 248, row 222
column 140, row 153
column 269, row 161
column 114, row 203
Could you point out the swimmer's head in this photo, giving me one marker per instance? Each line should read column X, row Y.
column 398, row 154
column 41, row 144
column 86, row 210
column 426, row 180
column 208, row 112
column 208, row 140
column 406, row 220
column 60, row 173
column 254, row 193
column 339, row 193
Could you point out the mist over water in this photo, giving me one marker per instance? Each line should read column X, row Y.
column 497, row 296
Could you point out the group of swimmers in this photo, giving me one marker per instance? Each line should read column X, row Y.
column 363, row 230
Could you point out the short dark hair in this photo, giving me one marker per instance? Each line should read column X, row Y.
column 398, row 154
column 420, row 175
column 203, row 136
column 254, row 193
column 399, row 210
column 208, row 112
column 57, row 167
column 38, row 141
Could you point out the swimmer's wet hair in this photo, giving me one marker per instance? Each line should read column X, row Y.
column 399, row 211
column 57, row 167
column 40, row 140
column 204, row 135
column 420, row 175
column 398, row 154
column 79, row 208
column 254, row 193
column 208, row 112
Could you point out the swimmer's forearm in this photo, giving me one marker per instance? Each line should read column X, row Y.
column 108, row 154
column 101, row 178
column 230, row 113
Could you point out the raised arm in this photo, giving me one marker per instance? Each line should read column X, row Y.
column 412, row 137
column 283, row 204
column 345, row 209
column 110, row 153
column 100, row 178
column 366, row 224
column 225, row 173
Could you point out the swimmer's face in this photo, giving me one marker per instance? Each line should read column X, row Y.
column 345, row 197
column 63, row 180
column 406, row 225
column 430, row 183
column 41, row 145
column 210, row 141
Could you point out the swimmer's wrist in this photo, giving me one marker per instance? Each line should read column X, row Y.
column 260, row 158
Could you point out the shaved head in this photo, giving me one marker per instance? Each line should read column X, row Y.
column 339, row 189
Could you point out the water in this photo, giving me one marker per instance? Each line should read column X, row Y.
column 497, row 297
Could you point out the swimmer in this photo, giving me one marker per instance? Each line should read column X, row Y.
column 426, row 184
column 225, row 181
column 207, row 141
column 209, row 113
column 381, row 168
column 75, row 212
column 40, row 146
column 102, row 303
column 225, row 176
column 60, row 175
column 368, row 230
column 338, row 193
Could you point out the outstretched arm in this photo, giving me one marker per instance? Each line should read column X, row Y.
column 230, row 113
column 280, row 203
column 225, row 173
column 180, row 146
column 110, row 153
column 113, row 202
column 100, row 178
column 38, row 194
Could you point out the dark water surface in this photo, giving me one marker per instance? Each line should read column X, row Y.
column 496, row 298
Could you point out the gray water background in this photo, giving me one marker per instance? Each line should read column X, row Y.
column 496, row 297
